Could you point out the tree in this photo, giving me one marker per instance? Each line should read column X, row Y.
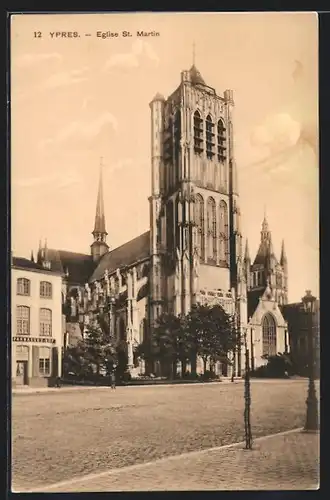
column 169, row 341
column 97, row 349
column 168, row 344
column 212, row 333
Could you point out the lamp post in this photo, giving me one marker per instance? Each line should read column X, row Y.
column 312, row 420
column 252, row 345
column 247, row 397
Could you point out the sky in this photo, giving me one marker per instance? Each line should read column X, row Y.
column 77, row 99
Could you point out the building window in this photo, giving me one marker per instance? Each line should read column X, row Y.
column 269, row 335
column 221, row 136
column 22, row 350
column 45, row 289
column 23, row 286
column 211, row 229
column 278, row 280
column 210, row 145
column 168, row 141
column 44, row 361
column 223, row 231
column 142, row 330
column 199, row 221
column 23, row 320
column 169, row 226
column 177, row 138
column 45, row 322
column 198, row 133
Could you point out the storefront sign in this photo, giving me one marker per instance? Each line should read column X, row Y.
column 43, row 340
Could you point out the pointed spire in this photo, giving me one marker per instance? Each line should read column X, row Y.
column 99, row 226
column 194, row 53
column 283, row 259
column 39, row 253
column 247, row 252
column 32, row 256
column 265, row 232
column 46, row 250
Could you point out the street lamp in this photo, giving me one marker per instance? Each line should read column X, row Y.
column 247, row 397
column 312, row 420
column 252, row 345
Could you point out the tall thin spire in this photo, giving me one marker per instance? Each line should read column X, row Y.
column 247, row 252
column 265, row 232
column 194, row 53
column 99, row 226
column 283, row 259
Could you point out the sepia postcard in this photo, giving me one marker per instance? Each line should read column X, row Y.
column 164, row 252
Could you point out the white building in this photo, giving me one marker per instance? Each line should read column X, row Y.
column 37, row 331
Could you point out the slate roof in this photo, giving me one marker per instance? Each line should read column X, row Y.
column 253, row 300
column 195, row 76
column 79, row 265
column 125, row 255
column 28, row 264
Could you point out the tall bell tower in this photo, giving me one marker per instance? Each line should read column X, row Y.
column 196, row 240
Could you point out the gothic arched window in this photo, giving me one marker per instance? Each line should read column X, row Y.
column 142, row 331
column 177, row 138
column 198, row 132
column 209, row 137
column 169, row 225
column 199, row 220
column 178, row 219
column 221, row 136
column 268, row 335
column 122, row 329
column 211, row 229
column 223, row 231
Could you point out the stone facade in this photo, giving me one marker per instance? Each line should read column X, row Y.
column 193, row 251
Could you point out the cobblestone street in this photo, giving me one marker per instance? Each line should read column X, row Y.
column 61, row 436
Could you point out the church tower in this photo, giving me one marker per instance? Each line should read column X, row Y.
column 266, row 270
column 99, row 246
column 196, row 241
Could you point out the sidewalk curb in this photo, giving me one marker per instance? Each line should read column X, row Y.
column 51, row 390
column 110, row 472
column 68, row 389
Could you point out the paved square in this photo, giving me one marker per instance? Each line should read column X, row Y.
column 59, row 436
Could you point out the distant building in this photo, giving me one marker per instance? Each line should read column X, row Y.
column 37, row 328
column 298, row 334
column 267, row 284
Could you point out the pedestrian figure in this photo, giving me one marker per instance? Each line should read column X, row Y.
column 58, row 382
column 113, row 380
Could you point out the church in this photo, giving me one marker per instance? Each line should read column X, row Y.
column 193, row 251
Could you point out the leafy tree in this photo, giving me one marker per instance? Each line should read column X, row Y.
column 208, row 332
column 212, row 333
column 94, row 350
column 74, row 362
column 169, row 343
